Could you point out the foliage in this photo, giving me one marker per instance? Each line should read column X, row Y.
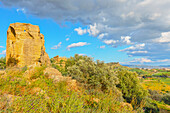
column 150, row 106
column 161, row 105
column 166, row 98
column 155, row 95
column 130, row 87
column 59, row 66
column 2, row 62
column 161, row 74
column 52, row 60
column 160, row 97
column 93, row 75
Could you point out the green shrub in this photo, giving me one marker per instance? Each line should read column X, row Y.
column 60, row 68
column 155, row 95
column 2, row 62
column 166, row 98
column 130, row 87
column 150, row 106
column 93, row 75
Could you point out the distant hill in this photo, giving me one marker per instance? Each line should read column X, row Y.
column 148, row 67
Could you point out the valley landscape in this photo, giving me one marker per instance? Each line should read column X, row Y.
column 102, row 63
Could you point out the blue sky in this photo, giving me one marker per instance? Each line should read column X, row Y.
column 129, row 32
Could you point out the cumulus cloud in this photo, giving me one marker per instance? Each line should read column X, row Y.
column 92, row 30
column 124, row 40
column 101, row 36
column 79, row 44
column 1, row 46
column 3, row 52
column 148, row 17
column 80, row 31
column 110, row 42
column 57, row 46
column 152, row 51
column 141, row 60
column 165, row 37
column 102, row 47
column 135, row 47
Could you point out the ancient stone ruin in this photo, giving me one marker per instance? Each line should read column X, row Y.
column 25, row 46
column 60, row 61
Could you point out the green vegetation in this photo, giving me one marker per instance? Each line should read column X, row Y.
column 37, row 93
column 93, row 75
column 100, row 88
column 139, row 71
column 157, row 82
column 130, row 87
column 161, row 74
column 2, row 62
column 59, row 67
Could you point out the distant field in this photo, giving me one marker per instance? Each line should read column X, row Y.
column 165, row 80
column 162, row 73
column 160, row 84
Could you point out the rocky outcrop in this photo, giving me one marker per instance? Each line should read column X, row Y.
column 56, row 76
column 25, row 45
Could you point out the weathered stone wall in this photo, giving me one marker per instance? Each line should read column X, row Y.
column 25, row 45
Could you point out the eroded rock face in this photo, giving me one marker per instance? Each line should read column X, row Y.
column 25, row 45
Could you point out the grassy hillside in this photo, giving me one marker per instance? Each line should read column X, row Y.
column 82, row 86
column 35, row 92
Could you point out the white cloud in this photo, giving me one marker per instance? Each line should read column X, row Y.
column 79, row 44
column 1, row 46
column 21, row 10
column 101, row 36
column 146, row 61
column 135, row 47
column 134, row 52
column 93, row 31
column 3, row 52
column 57, row 46
column 102, row 47
column 141, row 60
column 82, row 54
column 165, row 37
column 164, row 60
column 67, row 39
column 110, row 42
column 126, row 40
column 80, row 31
